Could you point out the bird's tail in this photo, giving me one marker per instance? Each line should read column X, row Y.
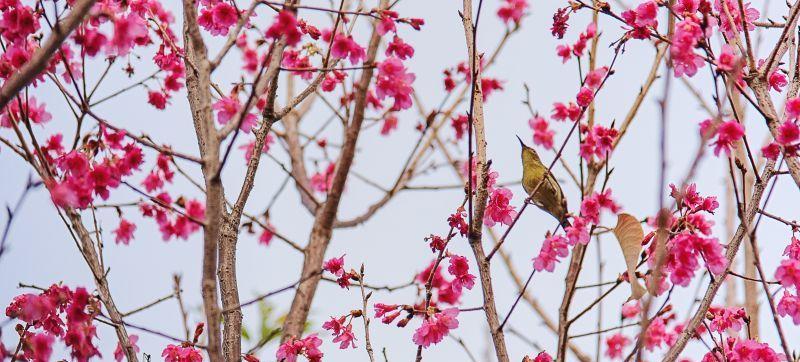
column 565, row 222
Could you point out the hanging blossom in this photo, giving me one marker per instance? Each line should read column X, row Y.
column 460, row 125
column 688, row 34
column 285, row 26
column 436, row 327
column 394, row 81
column 560, row 22
column 562, row 112
column 342, row 329
column 445, row 292
column 657, row 334
column 728, row 133
column 217, row 17
column 553, row 248
column 789, row 306
column 58, row 312
column 124, row 232
column 266, row 234
column 615, row 344
column 579, row 47
column 459, row 269
column 512, row 11
column 499, row 208
column 15, row 112
column 181, row 353
column 294, row 347
column 344, row 46
column 542, row 135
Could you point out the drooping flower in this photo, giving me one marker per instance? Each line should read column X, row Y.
column 436, row 327
column 788, row 273
column 285, row 25
column 727, row 134
column 124, row 232
column 542, row 135
column 459, row 268
column 511, row 11
column 394, row 81
column 615, row 344
column 553, row 248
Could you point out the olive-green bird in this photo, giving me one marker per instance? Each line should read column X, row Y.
column 549, row 196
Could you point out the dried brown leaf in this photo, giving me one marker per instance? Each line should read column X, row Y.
column 630, row 234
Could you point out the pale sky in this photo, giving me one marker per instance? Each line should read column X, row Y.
column 391, row 244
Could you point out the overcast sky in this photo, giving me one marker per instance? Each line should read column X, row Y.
column 391, row 244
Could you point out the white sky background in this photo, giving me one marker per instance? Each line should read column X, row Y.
column 391, row 244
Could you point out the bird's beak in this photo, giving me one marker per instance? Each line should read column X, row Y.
column 520, row 142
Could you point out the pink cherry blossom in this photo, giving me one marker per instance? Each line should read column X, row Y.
column 615, row 344
column 295, row 347
column 285, row 25
column 228, row 107
column 459, row 268
column 394, row 81
column 542, row 135
column 124, row 232
column 553, row 248
column 727, row 59
column 727, row 134
column 511, row 11
column 631, row 309
column 499, row 208
column 788, row 273
column 436, row 327
column 128, row 31
column 788, row 133
column 726, row 318
column 789, row 305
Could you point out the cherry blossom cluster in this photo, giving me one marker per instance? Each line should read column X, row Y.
column 498, row 207
column 335, row 266
column 342, row 329
column 294, row 347
column 727, row 134
column 186, row 351
column 170, row 222
column 735, row 349
column 690, row 242
column 556, row 246
column 788, row 274
column 56, row 313
column 81, row 175
column 579, row 47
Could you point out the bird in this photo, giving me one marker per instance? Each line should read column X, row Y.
column 549, row 196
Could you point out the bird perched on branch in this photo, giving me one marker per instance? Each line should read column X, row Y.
column 549, row 196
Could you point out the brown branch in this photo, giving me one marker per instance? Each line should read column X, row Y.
column 41, row 57
column 198, row 85
column 481, row 190
column 321, row 231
